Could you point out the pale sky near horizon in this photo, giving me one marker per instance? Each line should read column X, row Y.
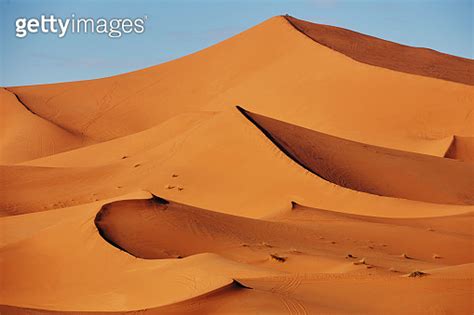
column 177, row 28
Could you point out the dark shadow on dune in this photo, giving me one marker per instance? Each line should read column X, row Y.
column 371, row 169
column 101, row 219
column 157, row 229
column 461, row 148
column 378, row 52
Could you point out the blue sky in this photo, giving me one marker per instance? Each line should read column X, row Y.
column 176, row 28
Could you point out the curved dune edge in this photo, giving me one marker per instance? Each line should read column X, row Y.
column 460, row 224
column 371, row 169
column 390, row 55
column 314, row 294
column 233, row 140
column 322, row 245
column 157, row 229
column 104, row 278
column 25, row 136
column 268, row 67
column 112, row 151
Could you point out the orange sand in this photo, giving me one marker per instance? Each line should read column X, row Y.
column 347, row 167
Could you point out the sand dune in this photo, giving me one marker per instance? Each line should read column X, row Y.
column 70, row 251
column 372, row 169
column 382, row 53
column 25, row 136
column 322, row 244
column 157, row 228
column 296, row 295
column 275, row 70
column 215, row 147
column 345, row 185
column 125, row 147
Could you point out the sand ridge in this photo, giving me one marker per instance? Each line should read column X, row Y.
column 266, row 69
column 361, row 167
column 386, row 54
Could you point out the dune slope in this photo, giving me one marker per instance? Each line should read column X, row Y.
column 227, row 153
column 265, row 69
column 372, row 169
column 26, row 136
column 382, row 53
column 82, row 272
column 318, row 241
column 157, row 228
column 312, row 295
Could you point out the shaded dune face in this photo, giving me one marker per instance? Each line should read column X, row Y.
column 386, row 54
column 461, row 148
column 157, row 229
column 371, row 169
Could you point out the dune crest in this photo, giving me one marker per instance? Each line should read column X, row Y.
column 265, row 68
column 386, row 54
column 26, row 136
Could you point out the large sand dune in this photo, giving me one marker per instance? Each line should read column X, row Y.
column 343, row 184
column 275, row 70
